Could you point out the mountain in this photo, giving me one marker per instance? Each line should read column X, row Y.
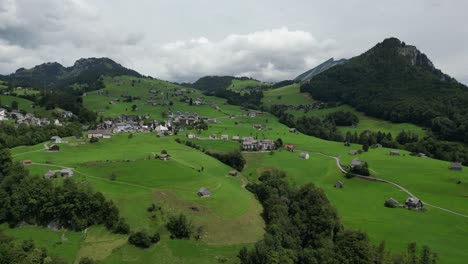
column 321, row 68
column 399, row 83
column 54, row 75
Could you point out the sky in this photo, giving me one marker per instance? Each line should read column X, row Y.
column 183, row 40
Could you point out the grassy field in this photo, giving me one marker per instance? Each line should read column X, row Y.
column 365, row 122
column 231, row 217
column 240, row 85
column 103, row 101
column 23, row 104
column 141, row 180
column 288, row 95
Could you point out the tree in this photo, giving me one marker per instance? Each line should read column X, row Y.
column 179, row 226
column 93, row 140
column 163, row 151
column 191, row 101
column 279, row 143
column 14, row 105
column 140, row 239
column 130, row 136
column 134, row 107
column 412, row 257
column 365, row 147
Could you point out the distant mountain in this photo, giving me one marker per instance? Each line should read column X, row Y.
column 54, row 75
column 397, row 82
column 319, row 69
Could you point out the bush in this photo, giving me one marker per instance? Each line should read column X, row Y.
column 94, row 140
column 122, row 227
column 155, row 238
column 87, row 260
column 180, row 227
column 140, row 239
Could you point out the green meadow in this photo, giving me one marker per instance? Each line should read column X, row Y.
column 126, row 171
column 288, row 95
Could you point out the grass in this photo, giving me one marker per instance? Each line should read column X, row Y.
column 288, row 95
column 240, row 85
column 23, row 104
column 365, row 122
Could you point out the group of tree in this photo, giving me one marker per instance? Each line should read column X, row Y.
column 302, row 227
column 34, row 200
column 19, row 135
column 142, row 239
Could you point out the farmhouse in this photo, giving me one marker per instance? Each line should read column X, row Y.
column 304, row 155
column 224, row 137
column 339, row 185
column 235, row 138
column 391, row 202
column 204, row 192
column 355, row 163
column 252, row 144
column 161, row 128
column 253, row 114
column 3, row 115
column 413, row 202
column 27, row 162
column 56, row 140
column 456, row 166
column 212, row 136
column 289, row 147
column 191, row 136
column 353, row 152
column 266, row 144
column 394, row 153
column 259, row 127
column 50, row 174
column 54, row 147
column 99, row 134
column 292, row 130
column 421, row 155
column 164, row 157
column 66, row 172
column 233, row 173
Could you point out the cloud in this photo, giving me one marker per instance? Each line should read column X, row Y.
column 271, row 55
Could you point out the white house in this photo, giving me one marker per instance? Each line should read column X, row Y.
column 191, row 136
column 56, row 140
column 3, row 115
column 161, row 128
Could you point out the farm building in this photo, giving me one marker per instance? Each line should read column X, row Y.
column 233, row 173
column 56, row 139
column 421, row 155
column 289, row 147
column 413, row 202
column 27, row 162
column 50, row 174
column 224, row 137
column 304, row 155
column 293, row 130
column 338, row 184
column 355, row 163
column 213, row 136
column 54, row 147
column 161, row 128
column 456, row 166
column 66, row 172
column 353, row 152
column 204, row 192
column 164, row 156
column 394, row 153
column 391, row 202
column 235, row 138
column 191, row 136
column 99, row 134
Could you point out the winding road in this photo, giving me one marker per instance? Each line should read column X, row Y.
column 338, row 164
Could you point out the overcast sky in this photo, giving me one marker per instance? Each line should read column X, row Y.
column 182, row 40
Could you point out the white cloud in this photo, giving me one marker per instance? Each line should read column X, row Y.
column 276, row 54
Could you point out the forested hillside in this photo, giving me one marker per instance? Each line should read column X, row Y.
column 397, row 82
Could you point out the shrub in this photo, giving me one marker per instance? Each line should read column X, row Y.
column 179, row 226
column 94, row 140
column 140, row 239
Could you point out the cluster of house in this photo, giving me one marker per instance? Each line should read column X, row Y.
column 259, row 145
column 28, row 118
column 254, row 114
column 188, row 119
column 64, row 173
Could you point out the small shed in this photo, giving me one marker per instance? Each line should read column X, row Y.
column 235, row 138
column 164, row 156
column 353, row 152
column 54, row 147
column 204, row 192
column 339, row 184
column 56, row 139
column 421, row 155
column 27, row 162
column 413, row 202
column 456, row 166
column 233, row 173
column 213, row 136
column 293, row 130
column 224, row 137
column 304, row 155
column 394, row 153
column 66, row 172
column 191, row 136
column 355, row 163
column 50, row 174
column 289, row 147
column 392, row 203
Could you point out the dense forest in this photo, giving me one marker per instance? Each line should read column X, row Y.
column 302, row 227
column 397, row 82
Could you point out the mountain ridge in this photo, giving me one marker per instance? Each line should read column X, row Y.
column 319, row 69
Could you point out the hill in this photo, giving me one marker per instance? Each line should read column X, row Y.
column 319, row 69
column 54, row 75
column 397, row 82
